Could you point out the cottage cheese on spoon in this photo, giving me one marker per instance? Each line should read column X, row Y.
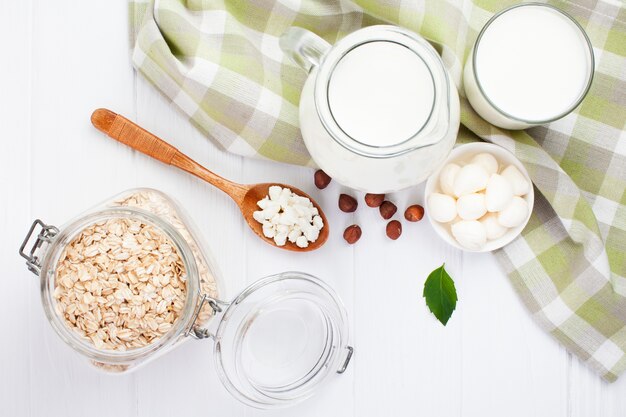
column 287, row 216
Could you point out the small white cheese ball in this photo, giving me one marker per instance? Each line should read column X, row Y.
column 514, row 214
column 303, row 224
column 471, row 206
column 498, row 194
column 284, row 196
column 470, row 234
column 259, row 216
column 470, row 179
column 518, row 182
column 303, row 211
column 447, row 176
column 280, row 239
column 318, row 222
column 311, row 233
column 302, row 242
column 274, row 192
column 269, row 230
column 494, row 229
column 441, row 207
column 263, row 203
column 288, row 216
column 487, row 161
column 294, row 234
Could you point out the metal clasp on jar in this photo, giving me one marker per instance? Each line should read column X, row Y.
column 45, row 235
column 344, row 366
column 216, row 305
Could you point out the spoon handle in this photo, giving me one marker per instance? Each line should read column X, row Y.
column 123, row 130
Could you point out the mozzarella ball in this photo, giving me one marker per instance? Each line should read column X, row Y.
column 498, row 194
column 447, row 176
column 471, row 206
column 514, row 214
column 518, row 182
column 470, row 179
column 494, row 229
column 470, row 234
column 442, row 207
column 487, row 161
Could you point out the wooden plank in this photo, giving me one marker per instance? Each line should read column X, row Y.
column 588, row 395
column 189, row 371
column 20, row 286
column 408, row 363
column 80, row 62
column 333, row 263
column 507, row 358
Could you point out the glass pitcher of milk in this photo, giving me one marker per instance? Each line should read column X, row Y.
column 379, row 111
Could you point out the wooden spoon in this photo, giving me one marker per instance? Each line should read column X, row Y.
column 245, row 196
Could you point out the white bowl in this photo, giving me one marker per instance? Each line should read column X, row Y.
column 461, row 155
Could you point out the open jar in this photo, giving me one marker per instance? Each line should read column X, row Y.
column 129, row 280
column 379, row 111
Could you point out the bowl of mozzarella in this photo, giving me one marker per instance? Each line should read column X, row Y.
column 480, row 199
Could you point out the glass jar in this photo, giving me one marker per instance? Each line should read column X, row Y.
column 274, row 343
column 378, row 111
column 152, row 208
column 531, row 64
column 280, row 339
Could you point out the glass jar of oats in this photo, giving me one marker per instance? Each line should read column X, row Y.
column 125, row 281
column 129, row 280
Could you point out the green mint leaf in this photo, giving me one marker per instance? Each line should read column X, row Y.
column 440, row 294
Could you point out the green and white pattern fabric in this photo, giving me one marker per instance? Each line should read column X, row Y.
column 219, row 61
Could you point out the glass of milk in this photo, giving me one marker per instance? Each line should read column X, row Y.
column 531, row 64
column 378, row 111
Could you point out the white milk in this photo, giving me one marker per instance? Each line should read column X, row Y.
column 533, row 63
column 378, row 111
column 381, row 93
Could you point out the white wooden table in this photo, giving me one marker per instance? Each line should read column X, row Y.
column 61, row 60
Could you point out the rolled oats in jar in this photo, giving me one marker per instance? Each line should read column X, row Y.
column 126, row 281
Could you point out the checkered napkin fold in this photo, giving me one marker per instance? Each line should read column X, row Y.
column 219, row 61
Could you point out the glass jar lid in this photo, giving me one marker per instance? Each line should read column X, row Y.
column 280, row 339
column 405, row 109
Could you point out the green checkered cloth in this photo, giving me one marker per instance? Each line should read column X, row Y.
column 219, row 61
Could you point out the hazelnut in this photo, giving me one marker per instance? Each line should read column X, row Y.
column 387, row 209
column 352, row 234
column 394, row 229
column 414, row 213
column 321, row 179
column 347, row 203
column 374, row 200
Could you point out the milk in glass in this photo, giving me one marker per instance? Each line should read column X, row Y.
column 531, row 64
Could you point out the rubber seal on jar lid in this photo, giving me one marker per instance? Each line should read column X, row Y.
column 280, row 339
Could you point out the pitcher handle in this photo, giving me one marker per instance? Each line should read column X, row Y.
column 303, row 47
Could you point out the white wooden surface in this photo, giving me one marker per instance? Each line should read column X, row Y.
column 61, row 60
